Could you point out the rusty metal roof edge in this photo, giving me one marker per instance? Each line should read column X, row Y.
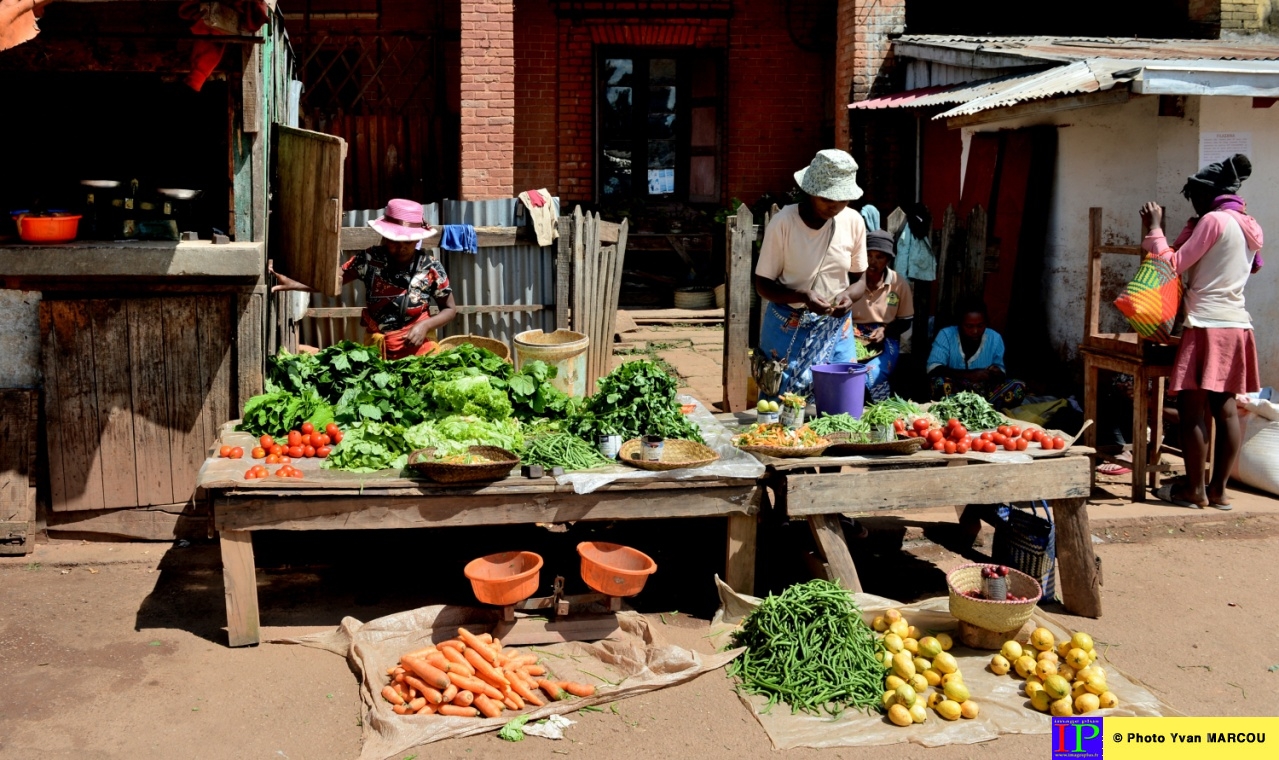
column 1057, row 48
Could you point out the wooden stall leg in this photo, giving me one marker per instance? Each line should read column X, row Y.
column 1076, row 562
column 830, row 542
column 739, row 567
column 1140, row 438
column 240, row 581
column 1156, row 459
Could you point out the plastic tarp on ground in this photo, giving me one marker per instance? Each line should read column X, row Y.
column 732, row 462
column 639, row 661
column 1004, row 710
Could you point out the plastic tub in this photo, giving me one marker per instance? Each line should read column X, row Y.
column 505, row 578
column 53, row 228
column 840, row 388
column 564, row 350
column 613, row 569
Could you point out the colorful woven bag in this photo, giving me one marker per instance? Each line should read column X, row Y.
column 1151, row 300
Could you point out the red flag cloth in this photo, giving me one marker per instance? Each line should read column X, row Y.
column 207, row 54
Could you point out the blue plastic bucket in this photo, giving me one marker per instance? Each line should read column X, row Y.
column 840, row 388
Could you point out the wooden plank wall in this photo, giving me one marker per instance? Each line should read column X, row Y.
column 134, row 393
column 17, row 470
column 389, row 156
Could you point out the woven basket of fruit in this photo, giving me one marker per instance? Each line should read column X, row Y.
column 968, row 604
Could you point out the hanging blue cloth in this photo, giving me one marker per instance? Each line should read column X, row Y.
column 871, row 216
column 914, row 258
column 459, row 237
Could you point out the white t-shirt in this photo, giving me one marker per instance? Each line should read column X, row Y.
column 792, row 252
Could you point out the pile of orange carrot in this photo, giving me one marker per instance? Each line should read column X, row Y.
column 472, row 676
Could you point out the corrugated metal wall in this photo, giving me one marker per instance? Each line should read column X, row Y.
column 507, row 275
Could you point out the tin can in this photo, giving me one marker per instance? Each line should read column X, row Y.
column 791, row 416
column 767, row 418
column 652, row 447
column 609, row 445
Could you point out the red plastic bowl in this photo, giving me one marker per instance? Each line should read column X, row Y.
column 58, row 228
column 505, row 578
column 613, row 569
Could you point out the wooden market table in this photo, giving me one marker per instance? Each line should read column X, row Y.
column 820, row 489
column 345, row 501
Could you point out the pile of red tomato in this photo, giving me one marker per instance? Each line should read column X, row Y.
column 955, row 439
column 298, row 444
column 259, row 471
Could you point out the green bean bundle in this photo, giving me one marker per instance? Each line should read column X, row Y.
column 562, row 450
column 810, row 648
column 841, row 423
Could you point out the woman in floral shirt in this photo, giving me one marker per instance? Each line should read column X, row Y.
column 400, row 282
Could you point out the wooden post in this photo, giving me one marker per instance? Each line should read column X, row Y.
column 1140, row 405
column 946, row 269
column 974, row 278
column 834, row 549
column 563, row 272
column 578, row 296
column 18, row 471
column 239, row 578
column 737, row 308
column 1092, row 306
column 739, row 566
column 1076, row 562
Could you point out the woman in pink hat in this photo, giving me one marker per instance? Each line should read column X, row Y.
column 399, row 278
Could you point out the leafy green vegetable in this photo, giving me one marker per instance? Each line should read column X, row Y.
column 973, row 411
column 513, row 731
column 563, row 450
column 471, row 395
column 841, row 423
column 635, row 399
column 453, row 435
column 862, row 352
column 888, row 411
column 281, row 410
column 370, row 447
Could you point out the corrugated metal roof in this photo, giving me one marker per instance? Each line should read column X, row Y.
column 945, row 95
column 1054, row 49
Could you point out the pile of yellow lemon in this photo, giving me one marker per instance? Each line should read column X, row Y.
column 1062, row 678
column 915, row 664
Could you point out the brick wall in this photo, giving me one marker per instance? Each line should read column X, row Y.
column 777, row 106
column 1244, row 15
column 488, row 99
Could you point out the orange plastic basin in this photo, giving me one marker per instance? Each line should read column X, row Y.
column 613, row 569
column 504, row 578
column 55, row 228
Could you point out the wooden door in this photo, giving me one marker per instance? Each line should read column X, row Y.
column 135, row 391
column 308, row 207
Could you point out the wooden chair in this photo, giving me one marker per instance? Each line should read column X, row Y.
column 1126, row 353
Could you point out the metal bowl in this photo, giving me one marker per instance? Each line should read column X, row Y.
column 103, row 183
column 178, row 193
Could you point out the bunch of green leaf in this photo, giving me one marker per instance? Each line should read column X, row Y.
column 889, row 411
column 532, row 394
column 453, row 435
column 279, row 411
column 563, row 450
column 370, row 447
column 331, row 372
column 637, row 398
column 468, row 394
column 378, row 402
column 972, row 411
column 841, row 423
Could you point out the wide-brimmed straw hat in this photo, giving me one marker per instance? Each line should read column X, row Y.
column 403, row 221
column 832, row 175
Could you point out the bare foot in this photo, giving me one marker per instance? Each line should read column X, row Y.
column 1219, row 499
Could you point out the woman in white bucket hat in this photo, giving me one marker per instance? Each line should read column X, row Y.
column 810, row 273
column 400, row 280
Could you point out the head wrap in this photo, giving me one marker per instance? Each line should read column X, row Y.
column 1222, row 178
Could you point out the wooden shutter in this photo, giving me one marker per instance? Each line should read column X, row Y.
column 308, row 207
column 705, row 131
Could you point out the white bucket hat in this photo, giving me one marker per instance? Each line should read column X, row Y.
column 831, row 175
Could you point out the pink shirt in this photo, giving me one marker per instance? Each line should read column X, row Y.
column 1214, row 256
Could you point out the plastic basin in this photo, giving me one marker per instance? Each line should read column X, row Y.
column 504, row 578
column 56, row 228
column 613, row 569
column 564, row 350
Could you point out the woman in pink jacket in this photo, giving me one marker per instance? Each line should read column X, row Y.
column 1217, row 357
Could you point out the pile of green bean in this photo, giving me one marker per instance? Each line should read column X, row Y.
column 841, row 423
column 562, row 450
column 810, row 648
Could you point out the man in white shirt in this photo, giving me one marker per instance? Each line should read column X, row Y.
column 810, row 273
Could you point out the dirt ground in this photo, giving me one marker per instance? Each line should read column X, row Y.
column 116, row 650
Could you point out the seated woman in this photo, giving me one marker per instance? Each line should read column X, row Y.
column 884, row 315
column 970, row 357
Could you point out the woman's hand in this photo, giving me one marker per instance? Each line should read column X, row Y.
column 875, row 336
column 417, row 333
column 816, row 303
column 1152, row 216
column 843, row 304
column 282, row 282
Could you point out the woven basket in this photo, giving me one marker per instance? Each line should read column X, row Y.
column 447, row 472
column 677, row 454
column 841, row 446
column 479, row 341
column 984, row 613
column 694, row 298
column 786, row 452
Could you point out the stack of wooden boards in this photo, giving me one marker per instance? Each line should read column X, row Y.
column 598, row 254
column 472, row 676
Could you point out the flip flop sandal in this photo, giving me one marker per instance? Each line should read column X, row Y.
column 1110, row 468
column 1164, row 494
column 1222, row 507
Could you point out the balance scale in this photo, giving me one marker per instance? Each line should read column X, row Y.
column 508, row 580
